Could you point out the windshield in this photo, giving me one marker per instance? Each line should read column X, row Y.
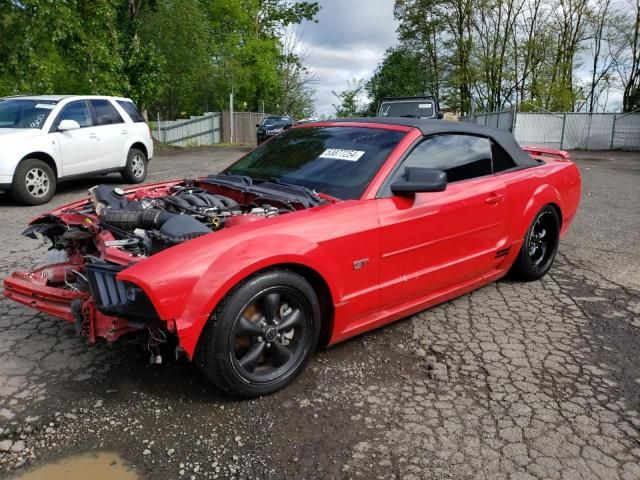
column 417, row 108
column 25, row 113
column 275, row 122
column 338, row 161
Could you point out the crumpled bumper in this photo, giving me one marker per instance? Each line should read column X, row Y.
column 31, row 289
column 78, row 308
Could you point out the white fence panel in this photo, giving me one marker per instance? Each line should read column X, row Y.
column 202, row 130
column 539, row 129
column 568, row 131
column 502, row 120
column 626, row 132
column 588, row 132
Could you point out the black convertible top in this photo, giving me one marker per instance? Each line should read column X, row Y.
column 433, row 127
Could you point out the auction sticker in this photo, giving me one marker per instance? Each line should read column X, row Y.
column 48, row 106
column 340, row 154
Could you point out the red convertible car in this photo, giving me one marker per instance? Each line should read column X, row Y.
column 324, row 232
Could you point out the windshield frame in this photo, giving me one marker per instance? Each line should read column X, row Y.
column 385, row 166
column 34, row 101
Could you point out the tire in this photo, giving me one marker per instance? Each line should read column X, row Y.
column 135, row 171
column 34, row 182
column 539, row 246
column 247, row 351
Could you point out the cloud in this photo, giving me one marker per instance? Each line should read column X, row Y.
column 348, row 42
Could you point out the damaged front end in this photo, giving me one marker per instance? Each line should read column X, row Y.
column 91, row 241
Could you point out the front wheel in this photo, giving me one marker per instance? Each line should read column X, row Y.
column 539, row 247
column 261, row 334
column 135, row 171
column 34, row 182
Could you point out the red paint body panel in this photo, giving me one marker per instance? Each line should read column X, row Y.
column 417, row 251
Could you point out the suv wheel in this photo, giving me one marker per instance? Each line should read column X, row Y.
column 34, row 182
column 135, row 171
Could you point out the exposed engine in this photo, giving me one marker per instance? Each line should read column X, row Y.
column 155, row 223
column 151, row 219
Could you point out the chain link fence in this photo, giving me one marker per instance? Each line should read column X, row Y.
column 567, row 131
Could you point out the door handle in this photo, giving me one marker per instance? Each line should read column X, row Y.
column 93, row 135
column 494, row 198
column 124, row 132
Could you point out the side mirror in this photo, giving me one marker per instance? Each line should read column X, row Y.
column 257, row 125
column 420, row 180
column 66, row 125
column 440, row 115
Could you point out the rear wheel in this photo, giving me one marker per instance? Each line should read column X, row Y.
column 135, row 171
column 261, row 335
column 34, row 182
column 539, row 247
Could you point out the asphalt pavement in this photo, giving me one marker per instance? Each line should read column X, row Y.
column 515, row 380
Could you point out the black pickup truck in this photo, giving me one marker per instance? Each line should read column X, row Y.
column 414, row 107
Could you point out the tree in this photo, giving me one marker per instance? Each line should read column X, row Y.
column 60, row 47
column 349, row 104
column 420, row 31
column 493, row 54
column 178, row 31
column 295, row 93
column 171, row 56
column 629, row 71
column 494, row 26
column 402, row 72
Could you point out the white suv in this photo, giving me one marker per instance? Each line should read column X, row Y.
column 48, row 139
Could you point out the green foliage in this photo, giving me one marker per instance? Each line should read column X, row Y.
column 401, row 73
column 170, row 56
column 349, row 102
column 178, row 30
column 488, row 55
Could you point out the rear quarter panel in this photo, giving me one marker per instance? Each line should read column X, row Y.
column 556, row 181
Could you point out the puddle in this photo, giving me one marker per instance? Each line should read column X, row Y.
column 96, row 466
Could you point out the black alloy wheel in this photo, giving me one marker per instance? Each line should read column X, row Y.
column 542, row 240
column 270, row 334
column 540, row 246
column 261, row 335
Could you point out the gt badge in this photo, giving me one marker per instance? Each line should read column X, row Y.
column 358, row 264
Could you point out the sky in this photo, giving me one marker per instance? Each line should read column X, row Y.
column 347, row 43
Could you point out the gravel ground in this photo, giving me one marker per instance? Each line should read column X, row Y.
column 518, row 381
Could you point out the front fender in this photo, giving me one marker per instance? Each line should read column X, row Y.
column 12, row 154
column 186, row 282
column 242, row 260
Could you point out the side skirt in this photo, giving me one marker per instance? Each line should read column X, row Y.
column 414, row 306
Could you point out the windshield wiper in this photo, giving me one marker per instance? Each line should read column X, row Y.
column 308, row 190
column 246, row 173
